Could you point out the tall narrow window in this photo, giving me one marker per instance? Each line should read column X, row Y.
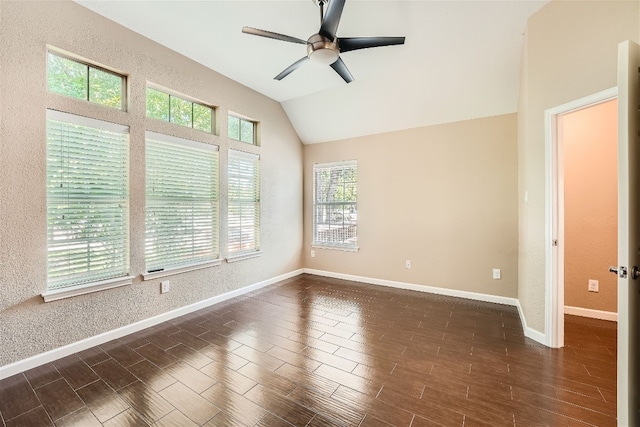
column 182, row 203
column 81, row 80
column 87, row 200
column 335, row 210
column 244, row 203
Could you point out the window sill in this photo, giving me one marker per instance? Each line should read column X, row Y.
column 336, row 248
column 243, row 256
column 183, row 269
column 86, row 288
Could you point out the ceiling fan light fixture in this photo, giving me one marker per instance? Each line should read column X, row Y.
column 323, row 56
column 322, row 50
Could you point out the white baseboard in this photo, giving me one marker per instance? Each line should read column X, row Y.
column 529, row 332
column 588, row 312
column 414, row 287
column 50, row 356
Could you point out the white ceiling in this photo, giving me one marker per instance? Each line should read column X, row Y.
column 461, row 59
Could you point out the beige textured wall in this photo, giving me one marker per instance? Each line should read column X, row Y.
column 571, row 52
column 442, row 196
column 589, row 140
column 29, row 326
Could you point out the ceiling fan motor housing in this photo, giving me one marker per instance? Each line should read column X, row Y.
column 322, row 50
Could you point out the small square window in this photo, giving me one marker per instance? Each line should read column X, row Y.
column 202, row 117
column 242, row 130
column 181, row 112
column 157, row 104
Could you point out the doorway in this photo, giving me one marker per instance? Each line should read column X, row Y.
column 581, row 145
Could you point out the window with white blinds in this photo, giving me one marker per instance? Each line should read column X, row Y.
column 181, row 202
column 87, row 200
column 335, row 210
column 244, row 203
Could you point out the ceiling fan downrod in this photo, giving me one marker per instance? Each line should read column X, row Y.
column 320, row 4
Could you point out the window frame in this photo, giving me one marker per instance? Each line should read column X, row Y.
column 328, row 244
column 192, row 264
column 90, row 65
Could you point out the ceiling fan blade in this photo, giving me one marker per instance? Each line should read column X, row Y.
column 272, row 35
column 291, row 68
column 342, row 69
column 347, row 44
column 331, row 19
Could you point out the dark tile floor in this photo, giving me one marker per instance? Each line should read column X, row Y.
column 313, row 351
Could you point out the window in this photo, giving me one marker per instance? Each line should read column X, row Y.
column 182, row 203
column 244, row 202
column 335, row 211
column 242, row 130
column 174, row 109
column 80, row 80
column 87, row 200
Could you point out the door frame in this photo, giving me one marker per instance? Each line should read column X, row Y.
column 554, row 214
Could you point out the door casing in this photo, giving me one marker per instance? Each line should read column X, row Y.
column 554, row 214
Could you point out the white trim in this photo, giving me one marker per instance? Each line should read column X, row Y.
column 243, row 256
column 415, row 287
column 529, row 332
column 554, row 216
column 245, row 155
column 589, row 312
column 182, row 269
column 55, row 354
column 87, row 121
column 170, row 139
column 353, row 162
column 86, row 288
column 335, row 247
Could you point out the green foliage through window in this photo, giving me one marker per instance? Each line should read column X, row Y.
column 241, row 130
column 173, row 109
column 87, row 200
column 335, row 210
column 181, row 202
column 79, row 80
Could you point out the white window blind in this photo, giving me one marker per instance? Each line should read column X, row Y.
column 244, row 202
column 182, row 202
column 335, row 211
column 87, row 200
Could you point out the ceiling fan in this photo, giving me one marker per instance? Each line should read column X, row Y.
column 325, row 47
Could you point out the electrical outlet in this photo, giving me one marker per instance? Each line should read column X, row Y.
column 407, row 264
column 497, row 275
column 313, row 254
column 593, row 285
column 165, row 286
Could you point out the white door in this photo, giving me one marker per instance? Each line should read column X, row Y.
column 628, row 233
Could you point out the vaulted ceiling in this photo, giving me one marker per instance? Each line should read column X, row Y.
column 461, row 59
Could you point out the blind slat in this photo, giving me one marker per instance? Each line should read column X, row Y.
column 182, row 202
column 87, row 200
column 244, row 202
